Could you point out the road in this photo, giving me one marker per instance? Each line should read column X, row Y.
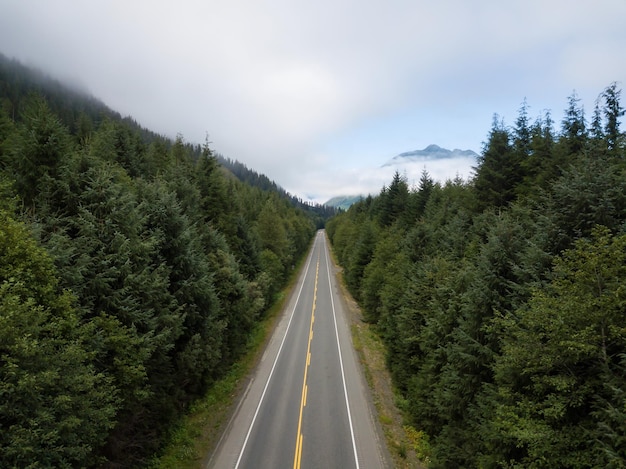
column 307, row 405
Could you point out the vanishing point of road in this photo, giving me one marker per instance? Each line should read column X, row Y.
column 307, row 405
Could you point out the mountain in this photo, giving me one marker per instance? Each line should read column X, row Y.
column 343, row 201
column 430, row 153
column 440, row 163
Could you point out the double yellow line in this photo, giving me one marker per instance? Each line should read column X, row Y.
column 298, row 454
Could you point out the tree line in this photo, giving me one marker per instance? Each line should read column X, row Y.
column 132, row 271
column 501, row 299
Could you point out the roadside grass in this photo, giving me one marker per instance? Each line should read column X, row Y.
column 196, row 435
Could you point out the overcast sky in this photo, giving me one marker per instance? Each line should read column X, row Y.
column 318, row 94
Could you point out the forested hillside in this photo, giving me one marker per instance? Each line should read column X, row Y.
column 132, row 270
column 318, row 212
column 502, row 299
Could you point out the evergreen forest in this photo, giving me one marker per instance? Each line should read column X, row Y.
column 502, row 299
column 133, row 269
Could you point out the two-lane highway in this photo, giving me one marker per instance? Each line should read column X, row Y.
column 306, row 406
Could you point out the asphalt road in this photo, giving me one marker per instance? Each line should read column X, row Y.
column 307, row 405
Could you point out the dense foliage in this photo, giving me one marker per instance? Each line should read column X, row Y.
column 132, row 271
column 502, row 299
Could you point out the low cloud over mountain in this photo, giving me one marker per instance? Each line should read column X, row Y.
column 440, row 163
column 430, row 153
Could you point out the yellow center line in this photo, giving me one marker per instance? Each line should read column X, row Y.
column 298, row 454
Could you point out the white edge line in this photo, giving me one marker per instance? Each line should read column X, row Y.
column 269, row 378
column 343, row 377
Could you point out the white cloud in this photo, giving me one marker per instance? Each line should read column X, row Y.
column 273, row 81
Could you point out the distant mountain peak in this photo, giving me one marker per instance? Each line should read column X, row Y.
column 431, row 152
column 434, row 148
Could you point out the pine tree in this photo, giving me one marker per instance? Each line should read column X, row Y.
column 542, row 165
column 272, row 232
column 522, row 134
column 613, row 111
column 560, row 353
column 56, row 408
column 361, row 256
column 7, row 129
column 378, row 272
column 215, row 203
column 496, row 176
column 597, row 145
column 590, row 192
column 393, row 200
column 37, row 149
column 573, row 128
column 424, row 189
